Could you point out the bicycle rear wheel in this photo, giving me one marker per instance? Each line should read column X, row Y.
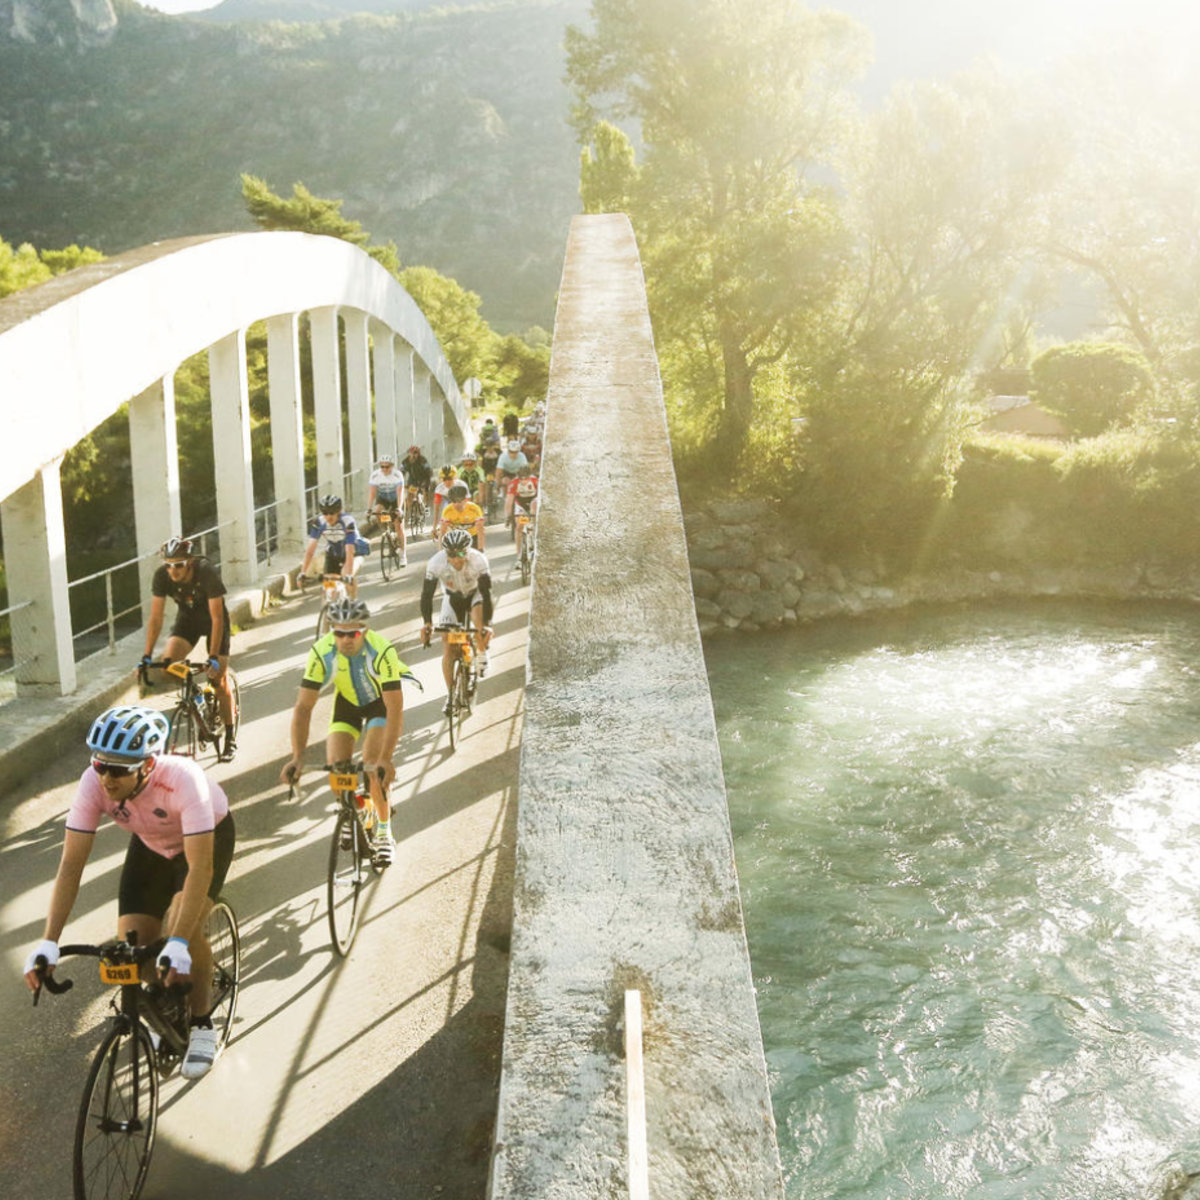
column 526, row 561
column 387, row 555
column 235, row 692
column 222, row 933
column 184, row 737
column 345, row 881
column 114, row 1134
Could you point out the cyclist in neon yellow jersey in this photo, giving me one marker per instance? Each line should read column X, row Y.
column 367, row 674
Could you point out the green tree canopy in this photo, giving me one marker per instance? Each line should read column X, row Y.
column 1092, row 385
column 607, row 170
column 25, row 266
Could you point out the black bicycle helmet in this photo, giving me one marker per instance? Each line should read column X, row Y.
column 176, row 547
column 457, row 540
column 330, row 503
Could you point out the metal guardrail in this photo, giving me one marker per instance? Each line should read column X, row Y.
column 4, row 612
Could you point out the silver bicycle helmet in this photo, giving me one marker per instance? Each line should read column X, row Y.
column 387, row 460
column 330, row 503
column 129, row 732
column 349, row 611
column 176, row 547
column 457, row 540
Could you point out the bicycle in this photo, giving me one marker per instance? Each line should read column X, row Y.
column 351, row 846
column 464, row 678
column 526, row 534
column 389, row 544
column 492, row 496
column 414, row 512
column 146, row 1040
column 196, row 720
column 334, row 588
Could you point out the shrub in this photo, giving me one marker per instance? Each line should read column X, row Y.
column 1091, row 385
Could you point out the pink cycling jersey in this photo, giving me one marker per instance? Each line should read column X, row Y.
column 178, row 799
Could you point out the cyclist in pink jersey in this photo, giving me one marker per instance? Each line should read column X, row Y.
column 178, row 856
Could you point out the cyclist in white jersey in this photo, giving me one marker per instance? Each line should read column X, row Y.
column 386, row 490
column 466, row 579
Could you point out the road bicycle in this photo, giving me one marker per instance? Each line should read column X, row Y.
column 196, row 721
column 389, row 544
column 526, row 533
column 464, row 678
column 146, row 1040
column 350, row 851
column 333, row 588
column 414, row 511
column 491, row 496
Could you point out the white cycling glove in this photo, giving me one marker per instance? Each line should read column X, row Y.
column 44, row 949
column 176, row 956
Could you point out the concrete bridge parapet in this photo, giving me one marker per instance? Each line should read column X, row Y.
column 625, row 868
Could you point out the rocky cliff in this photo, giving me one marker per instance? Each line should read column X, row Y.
column 74, row 23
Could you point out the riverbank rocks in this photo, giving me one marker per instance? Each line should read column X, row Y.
column 753, row 570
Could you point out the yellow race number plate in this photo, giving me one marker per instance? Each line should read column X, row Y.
column 178, row 669
column 458, row 637
column 113, row 973
column 342, row 782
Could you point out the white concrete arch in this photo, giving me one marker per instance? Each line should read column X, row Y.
column 76, row 348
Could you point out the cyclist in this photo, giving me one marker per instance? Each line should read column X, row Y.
column 489, row 435
column 199, row 594
column 417, row 471
column 472, row 476
column 337, row 531
column 460, row 513
column 466, row 579
column 447, row 478
column 489, row 452
column 511, row 424
column 386, row 490
column 507, row 466
column 368, row 702
column 524, row 492
column 178, row 856
column 531, row 446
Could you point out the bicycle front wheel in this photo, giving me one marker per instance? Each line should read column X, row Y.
column 387, row 556
column 323, row 623
column 114, row 1135
column 222, row 932
column 235, row 692
column 184, row 736
column 345, row 882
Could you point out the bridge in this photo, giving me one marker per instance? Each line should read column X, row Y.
column 574, row 850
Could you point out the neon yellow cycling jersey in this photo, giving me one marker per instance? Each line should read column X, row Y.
column 361, row 678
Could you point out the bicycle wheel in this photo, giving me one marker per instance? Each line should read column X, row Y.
column 222, row 932
column 235, row 691
column 114, row 1135
column 387, row 555
column 526, row 562
column 184, row 737
column 323, row 625
column 345, row 881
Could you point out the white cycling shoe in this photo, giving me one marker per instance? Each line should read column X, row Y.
column 383, row 852
column 201, row 1052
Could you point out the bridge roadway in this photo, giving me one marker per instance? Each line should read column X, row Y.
column 372, row 1076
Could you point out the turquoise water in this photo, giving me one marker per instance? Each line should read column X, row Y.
column 969, row 852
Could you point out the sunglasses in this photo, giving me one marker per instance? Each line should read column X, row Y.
column 348, row 633
column 176, row 566
column 451, row 554
column 107, row 768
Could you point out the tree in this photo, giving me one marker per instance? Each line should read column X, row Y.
column 738, row 103
column 607, row 170
column 25, row 266
column 1091, row 385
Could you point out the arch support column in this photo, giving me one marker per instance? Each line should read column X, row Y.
column 327, row 399
column 358, row 390
column 35, row 562
column 231, row 459
column 154, row 454
column 287, row 432
column 383, row 363
column 406, row 407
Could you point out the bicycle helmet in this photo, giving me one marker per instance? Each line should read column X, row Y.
column 176, row 547
column 330, row 503
column 457, row 492
column 414, row 450
column 525, row 472
column 468, row 458
column 342, row 611
column 457, row 540
column 513, row 446
column 447, row 472
column 387, row 460
column 130, row 733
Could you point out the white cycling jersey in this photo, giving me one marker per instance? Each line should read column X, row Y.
column 455, row 579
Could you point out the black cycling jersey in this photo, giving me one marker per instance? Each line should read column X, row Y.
column 190, row 594
column 417, row 471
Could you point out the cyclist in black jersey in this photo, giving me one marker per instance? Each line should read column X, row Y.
column 199, row 593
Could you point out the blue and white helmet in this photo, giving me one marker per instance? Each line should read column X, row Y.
column 129, row 732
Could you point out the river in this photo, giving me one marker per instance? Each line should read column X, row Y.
column 969, row 849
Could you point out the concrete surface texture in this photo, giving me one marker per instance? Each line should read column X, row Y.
column 375, row 1075
column 625, row 871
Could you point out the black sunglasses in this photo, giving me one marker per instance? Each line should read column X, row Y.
column 107, row 768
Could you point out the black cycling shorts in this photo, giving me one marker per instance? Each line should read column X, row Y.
column 350, row 717
column 192, row 625
column 149, row 881
column 335, row 561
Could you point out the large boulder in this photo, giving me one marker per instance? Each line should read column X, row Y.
column 739, row 512
column 766, row 608
column 704, row 583
column 775, row 574
column 742, row 581
column 736, row 604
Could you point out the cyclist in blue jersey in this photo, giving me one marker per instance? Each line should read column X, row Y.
column 386, row 492
column 337, row 533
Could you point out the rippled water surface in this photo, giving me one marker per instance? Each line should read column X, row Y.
column 969, row 850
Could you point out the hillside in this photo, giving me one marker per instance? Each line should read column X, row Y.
column 303, row 10
column 444, row 130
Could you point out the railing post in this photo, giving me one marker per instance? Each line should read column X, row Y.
column 35, row 562
column 358, row 391
column 327, row 398
column 231, row 458
column 154, row 454
column 287, row 431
